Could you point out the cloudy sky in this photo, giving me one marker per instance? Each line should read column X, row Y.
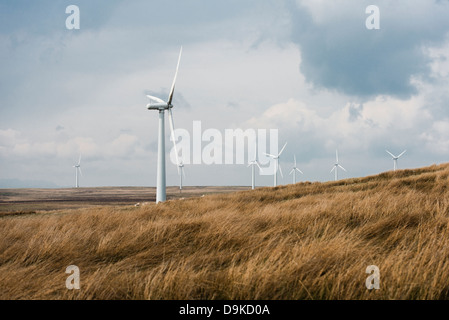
column 310, row 69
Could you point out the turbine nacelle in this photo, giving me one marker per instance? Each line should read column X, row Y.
column 159, row 106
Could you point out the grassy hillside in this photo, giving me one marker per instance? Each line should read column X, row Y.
column 303, row 241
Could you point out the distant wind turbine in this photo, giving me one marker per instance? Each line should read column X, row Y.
column 161, row 106
column 77, row 168
column 181, row 174
column 277, row 166
column 395, row 159
column 294, row 170
column 254, row 163
column 336, row 166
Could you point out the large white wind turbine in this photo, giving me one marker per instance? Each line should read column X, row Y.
column 294, row 170
column 395, row 159
column 254, row 163
column 277, row 167
column 77, row 168
column 161, row 106
column 336, row 166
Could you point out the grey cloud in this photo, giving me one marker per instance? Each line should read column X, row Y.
column 233, row 105
column 355, row 112
column 48, row 16
column 341, row 54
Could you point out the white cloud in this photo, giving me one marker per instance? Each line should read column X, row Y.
column 8, row 137
column 123, row 146
column 440, row 60
column 379, row 119
column 437, row 138
column 17, row 146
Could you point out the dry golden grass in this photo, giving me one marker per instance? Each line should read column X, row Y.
column 303, row 241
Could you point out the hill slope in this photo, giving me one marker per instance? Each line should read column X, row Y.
column 303, row 241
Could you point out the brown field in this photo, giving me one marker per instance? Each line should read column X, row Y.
column 303, row 241
column 32, row 201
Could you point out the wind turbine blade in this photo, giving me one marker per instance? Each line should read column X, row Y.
column 270, row 155
column 293, row 170
column 79, row 168
column 282, row 149
column 257, row 163
column 300, row 171
column 172, row 129
column 342, row 168
column 170, row 97
column 294, row 157
column 333, row 168
column 402, row 153
column 336, row 155
column 390, row 154
column 79, row 160
column 156, row 99
column 280, row 170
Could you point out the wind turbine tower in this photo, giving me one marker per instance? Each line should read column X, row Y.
column 77, row 168
column 254, row 163
column 162, row 106
column 181, row 174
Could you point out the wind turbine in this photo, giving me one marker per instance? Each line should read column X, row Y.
column 395, row 159
column 277, row 167
column 77, row 168
column 294, row 170
column 254, row 163
column 336, row 166
column 181, row 174
column 161, row 106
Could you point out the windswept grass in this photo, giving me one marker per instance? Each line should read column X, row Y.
column 303, row 241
